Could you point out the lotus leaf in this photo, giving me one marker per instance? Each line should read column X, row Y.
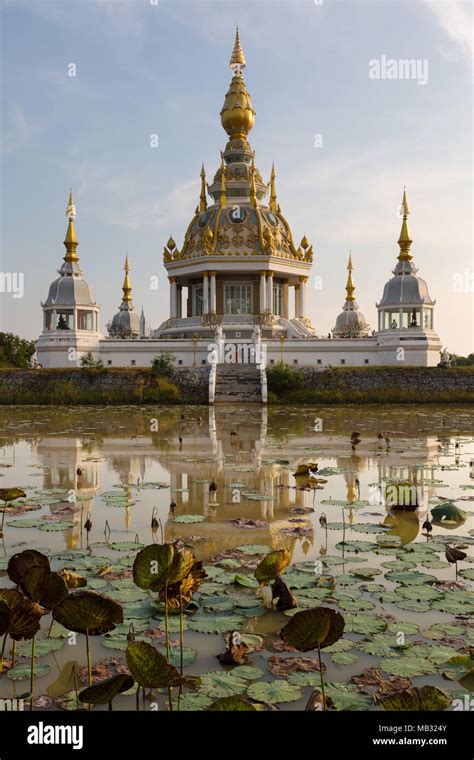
column 159, row 564
column 248, row 672
column 19, row 564
column 25, row 615
column 149, row 668
column 416, row 698
column 45, row 587
column 231, row 704
column 88, row 612
column 219, row 684
column 312, row 629
column 274, row 692
column 407, row 666
column 272, row 566
column 346, row 696
column 21, row 672
column 215, row 624
column 104, row 692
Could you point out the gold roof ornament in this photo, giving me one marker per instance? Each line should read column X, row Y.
column 237, row 114
column 223, row 196
column 253, row 186
column 203, row 198
column 405, row 241
column 70, row 240
column 171, row 244
column 272, row 206
column 237, row 60
column 304, row 243
column 126, row 287
column 350, row 287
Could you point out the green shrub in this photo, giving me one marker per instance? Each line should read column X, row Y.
column 164, row 364
column 282, row 378
column 88, row 362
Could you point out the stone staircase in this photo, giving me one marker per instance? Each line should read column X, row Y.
column 238, row 383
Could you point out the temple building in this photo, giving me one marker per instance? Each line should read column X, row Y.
column 239, row 279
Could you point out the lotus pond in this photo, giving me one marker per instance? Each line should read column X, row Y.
column 237, row 558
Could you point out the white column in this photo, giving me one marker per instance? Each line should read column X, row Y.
column 269, row 304
column 179, row 304
column 400, row 317
column 302, row 297
column 205, row 293
column 297, row 301
column 213, row 292
column 262, row 292
column 173, row 300
column 421, row 317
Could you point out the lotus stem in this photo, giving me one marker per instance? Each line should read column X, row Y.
column 3, row 516
column 3, row 652
column 13, row 653
column 322, row 677
column 32, row 677
column 89, row 664
column 50, row 628
column 166, row 623
column 75, row 686
column 181, row 632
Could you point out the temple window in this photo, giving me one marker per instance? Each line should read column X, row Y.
column 278, row 299
column 198, row 301
column 85, row 320
column 65, row 320
column 238, row 298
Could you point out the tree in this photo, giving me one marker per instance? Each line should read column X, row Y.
column 462, row 361
column 15, row 351
column 89, row 362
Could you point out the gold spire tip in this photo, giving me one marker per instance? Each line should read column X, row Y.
column 237, row 60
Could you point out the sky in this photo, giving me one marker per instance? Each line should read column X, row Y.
column 344, row 142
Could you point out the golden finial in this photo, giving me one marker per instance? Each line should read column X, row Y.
column 237, row 115
column 405, row 241
column 273, row 198
column 171, row 244
column 350, row 284
column 253, row 186
column 70, row 240
column 223, row 198
column 126, row 287
column 237, row 61
column 203, row 199
column 304, row 243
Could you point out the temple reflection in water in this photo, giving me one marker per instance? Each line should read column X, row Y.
column 251, row 455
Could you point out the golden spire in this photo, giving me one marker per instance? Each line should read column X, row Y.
column 70, row 241
column 223, row 198
column 350, row 284
column 405, row 241
column 203, row 200
column 237, row 115
column 126, row 287
column 237, row 61
column 273, row 198
column 253, row 186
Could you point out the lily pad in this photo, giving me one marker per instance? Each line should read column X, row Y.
column 274, row 692
column 21, row 672
column 231, row 704
column 215, row 624
column 189, row 518
column 218, row 684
